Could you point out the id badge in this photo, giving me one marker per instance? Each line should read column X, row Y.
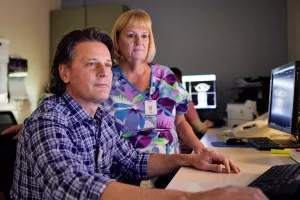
column 150, row 107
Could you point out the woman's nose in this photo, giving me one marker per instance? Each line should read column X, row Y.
column 138, row 40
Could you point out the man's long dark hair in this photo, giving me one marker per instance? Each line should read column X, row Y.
column 65, row 53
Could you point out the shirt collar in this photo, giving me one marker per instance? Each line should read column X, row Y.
column 77, row 111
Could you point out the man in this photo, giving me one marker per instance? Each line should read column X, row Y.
column 69, row 143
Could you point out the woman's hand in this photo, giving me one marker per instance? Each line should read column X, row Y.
column 208, row 123
column 13, row 129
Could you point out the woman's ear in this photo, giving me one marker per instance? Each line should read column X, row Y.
column 64, row 73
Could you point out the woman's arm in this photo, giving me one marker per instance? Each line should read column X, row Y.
column 194, row 120
column 187, row 134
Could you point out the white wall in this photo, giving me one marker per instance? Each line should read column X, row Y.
column 293, row 29
column 231, row 38
column 25, row 23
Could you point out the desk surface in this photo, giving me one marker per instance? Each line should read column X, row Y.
column 251, row 162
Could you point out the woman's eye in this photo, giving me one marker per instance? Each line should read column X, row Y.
column 144, row 36
column 130, row 35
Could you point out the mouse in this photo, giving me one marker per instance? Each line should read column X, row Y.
column 234, row 141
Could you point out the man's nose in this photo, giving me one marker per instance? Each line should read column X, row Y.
column 101, row 70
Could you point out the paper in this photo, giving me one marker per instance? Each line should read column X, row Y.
column 17, row 88
column 3, row 83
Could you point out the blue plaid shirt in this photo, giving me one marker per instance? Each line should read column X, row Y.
column 64, row 153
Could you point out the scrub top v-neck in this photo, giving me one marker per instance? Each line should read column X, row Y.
column 147, row 132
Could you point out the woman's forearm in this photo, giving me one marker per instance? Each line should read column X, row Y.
column 198, row 126
column 186, row 133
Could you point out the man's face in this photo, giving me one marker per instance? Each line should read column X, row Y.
column 88, row 79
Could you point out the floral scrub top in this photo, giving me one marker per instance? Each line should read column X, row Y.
column 148, row 133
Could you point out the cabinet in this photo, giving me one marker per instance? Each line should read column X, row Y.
column 66, row 20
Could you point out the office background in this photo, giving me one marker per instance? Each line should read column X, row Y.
column 232, row 38
column 26, row 25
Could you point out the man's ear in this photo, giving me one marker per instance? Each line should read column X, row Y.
column 64, row 73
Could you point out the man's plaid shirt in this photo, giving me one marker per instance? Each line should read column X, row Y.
column 64, row 153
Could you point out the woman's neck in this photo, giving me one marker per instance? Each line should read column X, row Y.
column 134, row 68
column 138, row 74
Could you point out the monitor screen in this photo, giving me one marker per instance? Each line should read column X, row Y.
column 201, row 89
column 283, row 103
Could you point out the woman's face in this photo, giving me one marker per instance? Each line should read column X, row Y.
column 134, row 42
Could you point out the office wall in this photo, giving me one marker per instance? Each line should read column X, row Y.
column 26, row 25
column 232, row 38
column 293, row 7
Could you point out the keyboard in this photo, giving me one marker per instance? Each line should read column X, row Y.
column 280, row 182
column 264, row 143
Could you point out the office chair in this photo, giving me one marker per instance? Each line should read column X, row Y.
column 7, row 153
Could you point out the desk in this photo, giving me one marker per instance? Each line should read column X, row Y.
column 252, row 163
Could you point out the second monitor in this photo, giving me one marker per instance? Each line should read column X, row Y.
column 284, row 99
column 202, row 90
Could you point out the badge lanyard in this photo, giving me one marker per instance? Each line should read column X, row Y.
column 151, row 111
column 151, row 105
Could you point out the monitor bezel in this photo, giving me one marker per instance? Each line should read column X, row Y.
column 294, row 126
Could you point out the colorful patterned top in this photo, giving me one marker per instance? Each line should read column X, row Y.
column 153, row 134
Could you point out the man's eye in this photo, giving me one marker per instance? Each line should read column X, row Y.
column 108, row 65
column 91, row 64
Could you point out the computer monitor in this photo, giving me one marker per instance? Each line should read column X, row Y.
column 202, row 90
column 284, row 98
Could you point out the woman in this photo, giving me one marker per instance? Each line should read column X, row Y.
column 146, row 99
column 139, row 86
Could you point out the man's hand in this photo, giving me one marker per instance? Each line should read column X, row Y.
column 114, row 189
column 159, row 164
column 13, row 129
column 203, row 150
column 231, row 192
column 213, row 161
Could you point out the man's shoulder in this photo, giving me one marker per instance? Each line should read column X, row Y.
column 105, row 114
column 109, row 120
column 52, row 108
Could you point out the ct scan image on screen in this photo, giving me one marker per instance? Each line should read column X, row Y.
column 282, row 98
column 201, row 89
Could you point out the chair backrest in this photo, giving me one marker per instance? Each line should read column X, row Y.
column 7, row 119
column 7, row 152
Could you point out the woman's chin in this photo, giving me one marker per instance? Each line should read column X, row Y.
column 138, row 56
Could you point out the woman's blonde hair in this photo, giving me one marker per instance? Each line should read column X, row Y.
column 127, row 19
